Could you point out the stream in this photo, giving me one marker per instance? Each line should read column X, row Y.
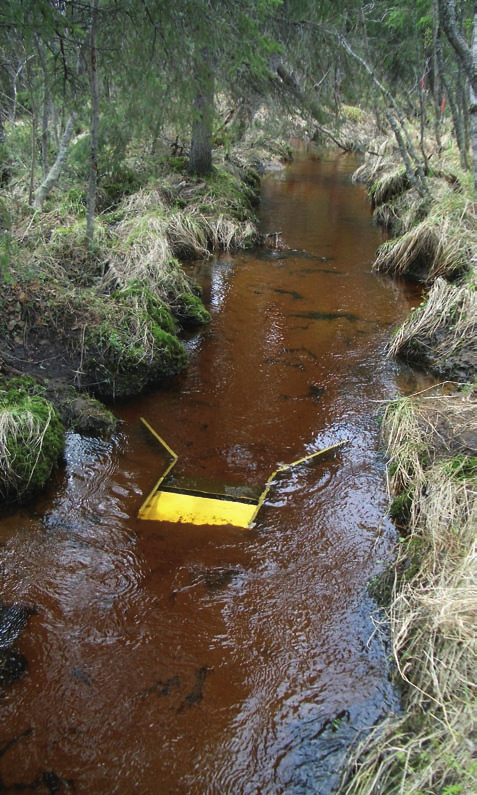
column 173, row 659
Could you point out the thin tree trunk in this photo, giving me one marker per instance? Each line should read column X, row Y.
column 473, row 101
column 422, row 122
column 45, row 111
column 34, row 123
column 437, row 93
column 406, row 146
column 45, row 133
column 33, row 155
column 467, row 56
column 200, row 160
column 53, row 175
column 447, row 15
column 455, row 109
column 473, row 134
column 93, row 166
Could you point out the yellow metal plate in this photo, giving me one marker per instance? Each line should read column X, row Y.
column 198, row 508
column 175, row 507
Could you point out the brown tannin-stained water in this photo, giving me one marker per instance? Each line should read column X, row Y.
column 168, row 658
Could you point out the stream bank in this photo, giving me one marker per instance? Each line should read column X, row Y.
column 429, row 592
column 84, row 326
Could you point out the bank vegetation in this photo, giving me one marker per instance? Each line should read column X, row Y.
column 428, row 595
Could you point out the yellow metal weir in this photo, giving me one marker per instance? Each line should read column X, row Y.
column 197, row 509
column 171, row 503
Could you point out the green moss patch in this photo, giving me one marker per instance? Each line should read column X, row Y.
column 129, row 350
column 138, row 293
column 190, row 310
column 31, row 441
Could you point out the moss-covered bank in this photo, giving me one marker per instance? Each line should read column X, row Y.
column 106, row 321
column 31, row 442
column 431, row 602
column 434, row 242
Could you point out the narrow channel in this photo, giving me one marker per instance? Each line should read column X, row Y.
column 171, row 659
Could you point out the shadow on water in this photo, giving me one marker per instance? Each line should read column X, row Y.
column 179, row 659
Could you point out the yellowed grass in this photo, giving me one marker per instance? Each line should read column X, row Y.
column 431, row 249
column 444, row 326
column 431, row 747
column 389, row 185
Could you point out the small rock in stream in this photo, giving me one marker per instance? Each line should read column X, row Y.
column 12, row 666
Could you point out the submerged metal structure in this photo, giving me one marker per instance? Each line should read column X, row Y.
column 171, row 501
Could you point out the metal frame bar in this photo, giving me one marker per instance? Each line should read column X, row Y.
column 217, row 497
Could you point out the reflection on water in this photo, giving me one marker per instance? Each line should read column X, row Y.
column 177, row 659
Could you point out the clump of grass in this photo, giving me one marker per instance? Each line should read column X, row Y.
column 188, row 234
column 381, row 157
column 432, row 248
column 153, row 233
column 141, row 252
column 431, row 746
column 122, row 342
column 386, row 216
column 68, row 251
column 390, row 184
column 31, row 441
column 441, row 333
column 226, row 234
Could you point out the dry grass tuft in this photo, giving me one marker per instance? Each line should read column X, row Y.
column 371, row 169
column 152, row 236
column 142, row 252
column 144, row 202
column 22, row 434
column 389, row 185
column 227, row 234
column 432, row 746
column 385, row 216
column 429, row 250
column 188, row 234
column 442, row 332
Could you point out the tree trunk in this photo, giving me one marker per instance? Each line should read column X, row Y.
column 467, row 57
column 93, row 166
column 473, row 101
column 53, row 175
column 45, row 133
column 33, row 133
column 437, row 93
column 455, row 108
column 413, row 165
column 33, row 154
column 45, row 111
column 200, row 160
